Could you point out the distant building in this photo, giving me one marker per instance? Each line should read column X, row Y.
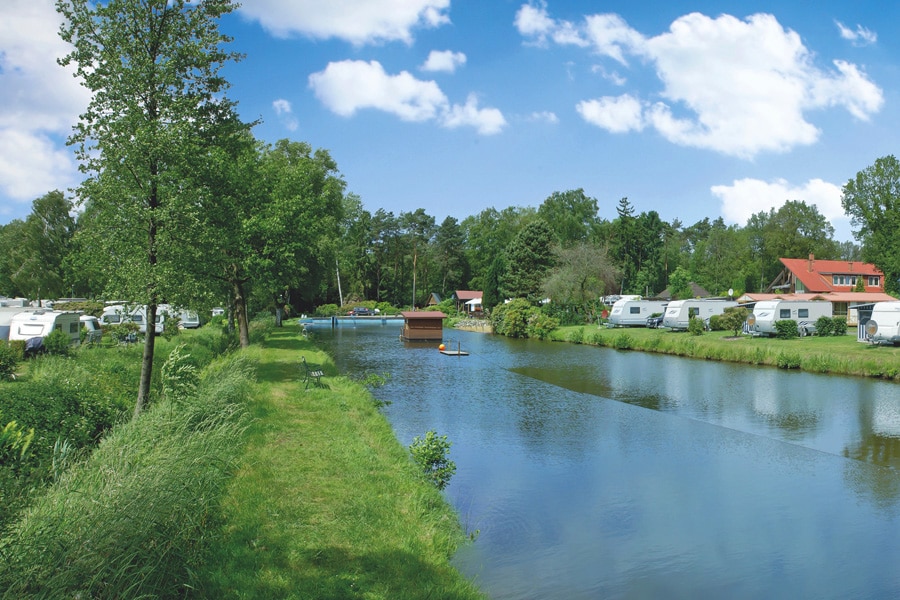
column 468, row 300
column 811, row 276
column 696, row 292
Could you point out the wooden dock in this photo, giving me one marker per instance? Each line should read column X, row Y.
column 454, row 352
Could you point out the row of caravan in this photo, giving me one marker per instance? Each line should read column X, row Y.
column 116, row 314
column 633, row 311
column 676, row 314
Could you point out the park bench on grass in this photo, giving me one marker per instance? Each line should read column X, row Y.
column 312, row 373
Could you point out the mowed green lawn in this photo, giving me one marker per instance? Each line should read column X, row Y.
column 327, row 503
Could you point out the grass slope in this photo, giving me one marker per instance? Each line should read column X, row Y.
column 327, row 503
column 840, row 355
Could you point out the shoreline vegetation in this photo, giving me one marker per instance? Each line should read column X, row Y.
column 242, row 483
column 835, row 355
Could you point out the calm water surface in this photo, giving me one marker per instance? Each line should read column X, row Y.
column 595, row 473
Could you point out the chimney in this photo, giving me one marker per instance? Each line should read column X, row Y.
column 812, row 258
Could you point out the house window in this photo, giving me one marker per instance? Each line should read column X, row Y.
column 848, row 280
column 874, row 281
column 839, row 309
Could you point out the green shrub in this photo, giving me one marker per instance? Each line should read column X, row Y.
column 824, row 326
column 511, row 319
column 733, row 319
column 10, row 357
column 696, row 326
column 786, row 329
column 839, row 326
column 540, row 325
column 431, row 453
column 57, row 343
column 787, row 360
column 716, row 323
column 576, row 336
column 622, row 341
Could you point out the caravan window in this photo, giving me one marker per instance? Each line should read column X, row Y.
column 784, row 313
column 803, row 313
column 635, row 310
column 693, row 311
column 73, row 327
column 31, row 329
column 137, row 318
column 112, row 319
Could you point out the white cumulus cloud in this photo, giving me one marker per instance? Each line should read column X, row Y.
column 39, row 103
column 359, row 22
column 349, row 86
column 618, row 115
column 735, row 86
column 747, row 197
column 445, row 60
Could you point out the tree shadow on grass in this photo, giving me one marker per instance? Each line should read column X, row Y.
column 334, row 574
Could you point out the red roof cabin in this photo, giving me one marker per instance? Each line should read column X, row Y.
column 808, row 275
column 422, row 326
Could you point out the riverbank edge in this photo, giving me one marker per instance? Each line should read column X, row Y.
column 839, row 355
column 328, row 503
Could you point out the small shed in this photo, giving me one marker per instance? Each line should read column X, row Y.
column 422, row 326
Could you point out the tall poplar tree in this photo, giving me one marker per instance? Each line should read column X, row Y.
column 152, row 67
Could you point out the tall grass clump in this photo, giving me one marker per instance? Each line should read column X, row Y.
column 137, row 518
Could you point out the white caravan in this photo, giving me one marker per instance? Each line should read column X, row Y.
column 40, row 323
column 116, row 314
column 679, row 312
column 884, row 325
column 6, row 315
column 188, row 319
column 805, row 312
column 630, row 311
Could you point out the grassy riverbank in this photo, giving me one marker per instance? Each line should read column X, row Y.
column 841, row 355
column 327, row 503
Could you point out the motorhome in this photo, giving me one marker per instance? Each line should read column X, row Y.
column 40, row 323
column 633, row 311
column 679, row 312
column 805, row 312
column 883, row 327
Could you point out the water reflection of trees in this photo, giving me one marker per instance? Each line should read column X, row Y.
column 878, row 444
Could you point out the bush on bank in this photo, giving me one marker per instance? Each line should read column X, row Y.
column 134, row 519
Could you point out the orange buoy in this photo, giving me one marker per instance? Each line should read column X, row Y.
column 441, row 347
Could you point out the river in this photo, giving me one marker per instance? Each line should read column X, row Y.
column 587, row 472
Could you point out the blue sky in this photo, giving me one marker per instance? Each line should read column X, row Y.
column 691, row 109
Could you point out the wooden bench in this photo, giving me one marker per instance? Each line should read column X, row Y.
column 312, row 373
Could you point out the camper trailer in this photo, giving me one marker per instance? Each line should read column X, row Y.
column 91, row 324
column 679, row 312
column 188, row 319
column 40, row 323
column 6, row 315
column 805, row 312
column 632, row 311
column 116, row 314
column 883, row 327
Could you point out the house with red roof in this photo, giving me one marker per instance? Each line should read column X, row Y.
column 831, row 280
column 468, row 300
column 811, row 276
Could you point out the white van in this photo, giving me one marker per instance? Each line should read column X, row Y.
column 40, row 323
column 679, row 312
column 884, row 325
column 805, row 312
column 631, row 311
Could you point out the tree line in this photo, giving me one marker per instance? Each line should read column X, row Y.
column 180, row 204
